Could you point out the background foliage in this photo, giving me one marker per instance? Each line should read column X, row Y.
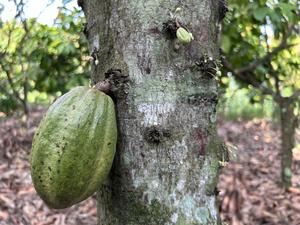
column 261, row 47
column 261, row 44
column 39, row 62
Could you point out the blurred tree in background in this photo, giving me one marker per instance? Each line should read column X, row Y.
column 38, row 61
column 261, row 45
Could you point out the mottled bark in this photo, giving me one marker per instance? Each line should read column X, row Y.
column 166, row 167
column 288, row 122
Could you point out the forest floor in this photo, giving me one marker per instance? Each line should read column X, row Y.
column 250, row 192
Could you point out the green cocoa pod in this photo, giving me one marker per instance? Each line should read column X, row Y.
column 73, row 147
column 184, row 36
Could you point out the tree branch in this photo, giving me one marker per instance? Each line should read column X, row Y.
column 248, row 78
column 282, row 46
column 274, row 73
column 19, row 48
column 11, row 83
column 295, row 96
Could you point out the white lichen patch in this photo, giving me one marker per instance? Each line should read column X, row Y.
column 190, row 208
column 188, row 205
column 96, row 42
column 153, row 189
column 202, row 215
column 154, row 184
column 212, row 207
column 180, row 185
column 213, row 118
column 208, row 171
column 174, row 218
column 126, row 159
column 169, row 75
column 155, row 113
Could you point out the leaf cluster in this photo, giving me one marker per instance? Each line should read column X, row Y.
column 261, row 44
column 36, row 58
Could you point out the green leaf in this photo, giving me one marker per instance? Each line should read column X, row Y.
column 225, row 44
column 275, row 16
column 287, row 10
column 260, row 13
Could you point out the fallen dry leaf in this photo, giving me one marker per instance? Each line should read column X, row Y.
column 255, row 176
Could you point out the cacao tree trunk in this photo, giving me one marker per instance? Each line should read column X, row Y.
column 288, row 123
column 166, row 167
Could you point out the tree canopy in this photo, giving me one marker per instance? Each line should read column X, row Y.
column 261, row 46
column 261, row 43
column 37, row 59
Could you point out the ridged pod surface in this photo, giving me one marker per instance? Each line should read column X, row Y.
column 73, row 147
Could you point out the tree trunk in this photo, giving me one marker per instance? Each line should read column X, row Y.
column 25, row 100
column 288, row 123
column 166, row 166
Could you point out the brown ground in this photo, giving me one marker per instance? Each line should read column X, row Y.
column 249, row 189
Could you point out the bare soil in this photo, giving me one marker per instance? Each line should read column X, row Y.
column 250, row 190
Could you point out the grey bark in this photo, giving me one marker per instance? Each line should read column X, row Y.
column 166, row 167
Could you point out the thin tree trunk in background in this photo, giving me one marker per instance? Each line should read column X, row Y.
column 166, row 166
column 288, row 122
column 25, row 100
